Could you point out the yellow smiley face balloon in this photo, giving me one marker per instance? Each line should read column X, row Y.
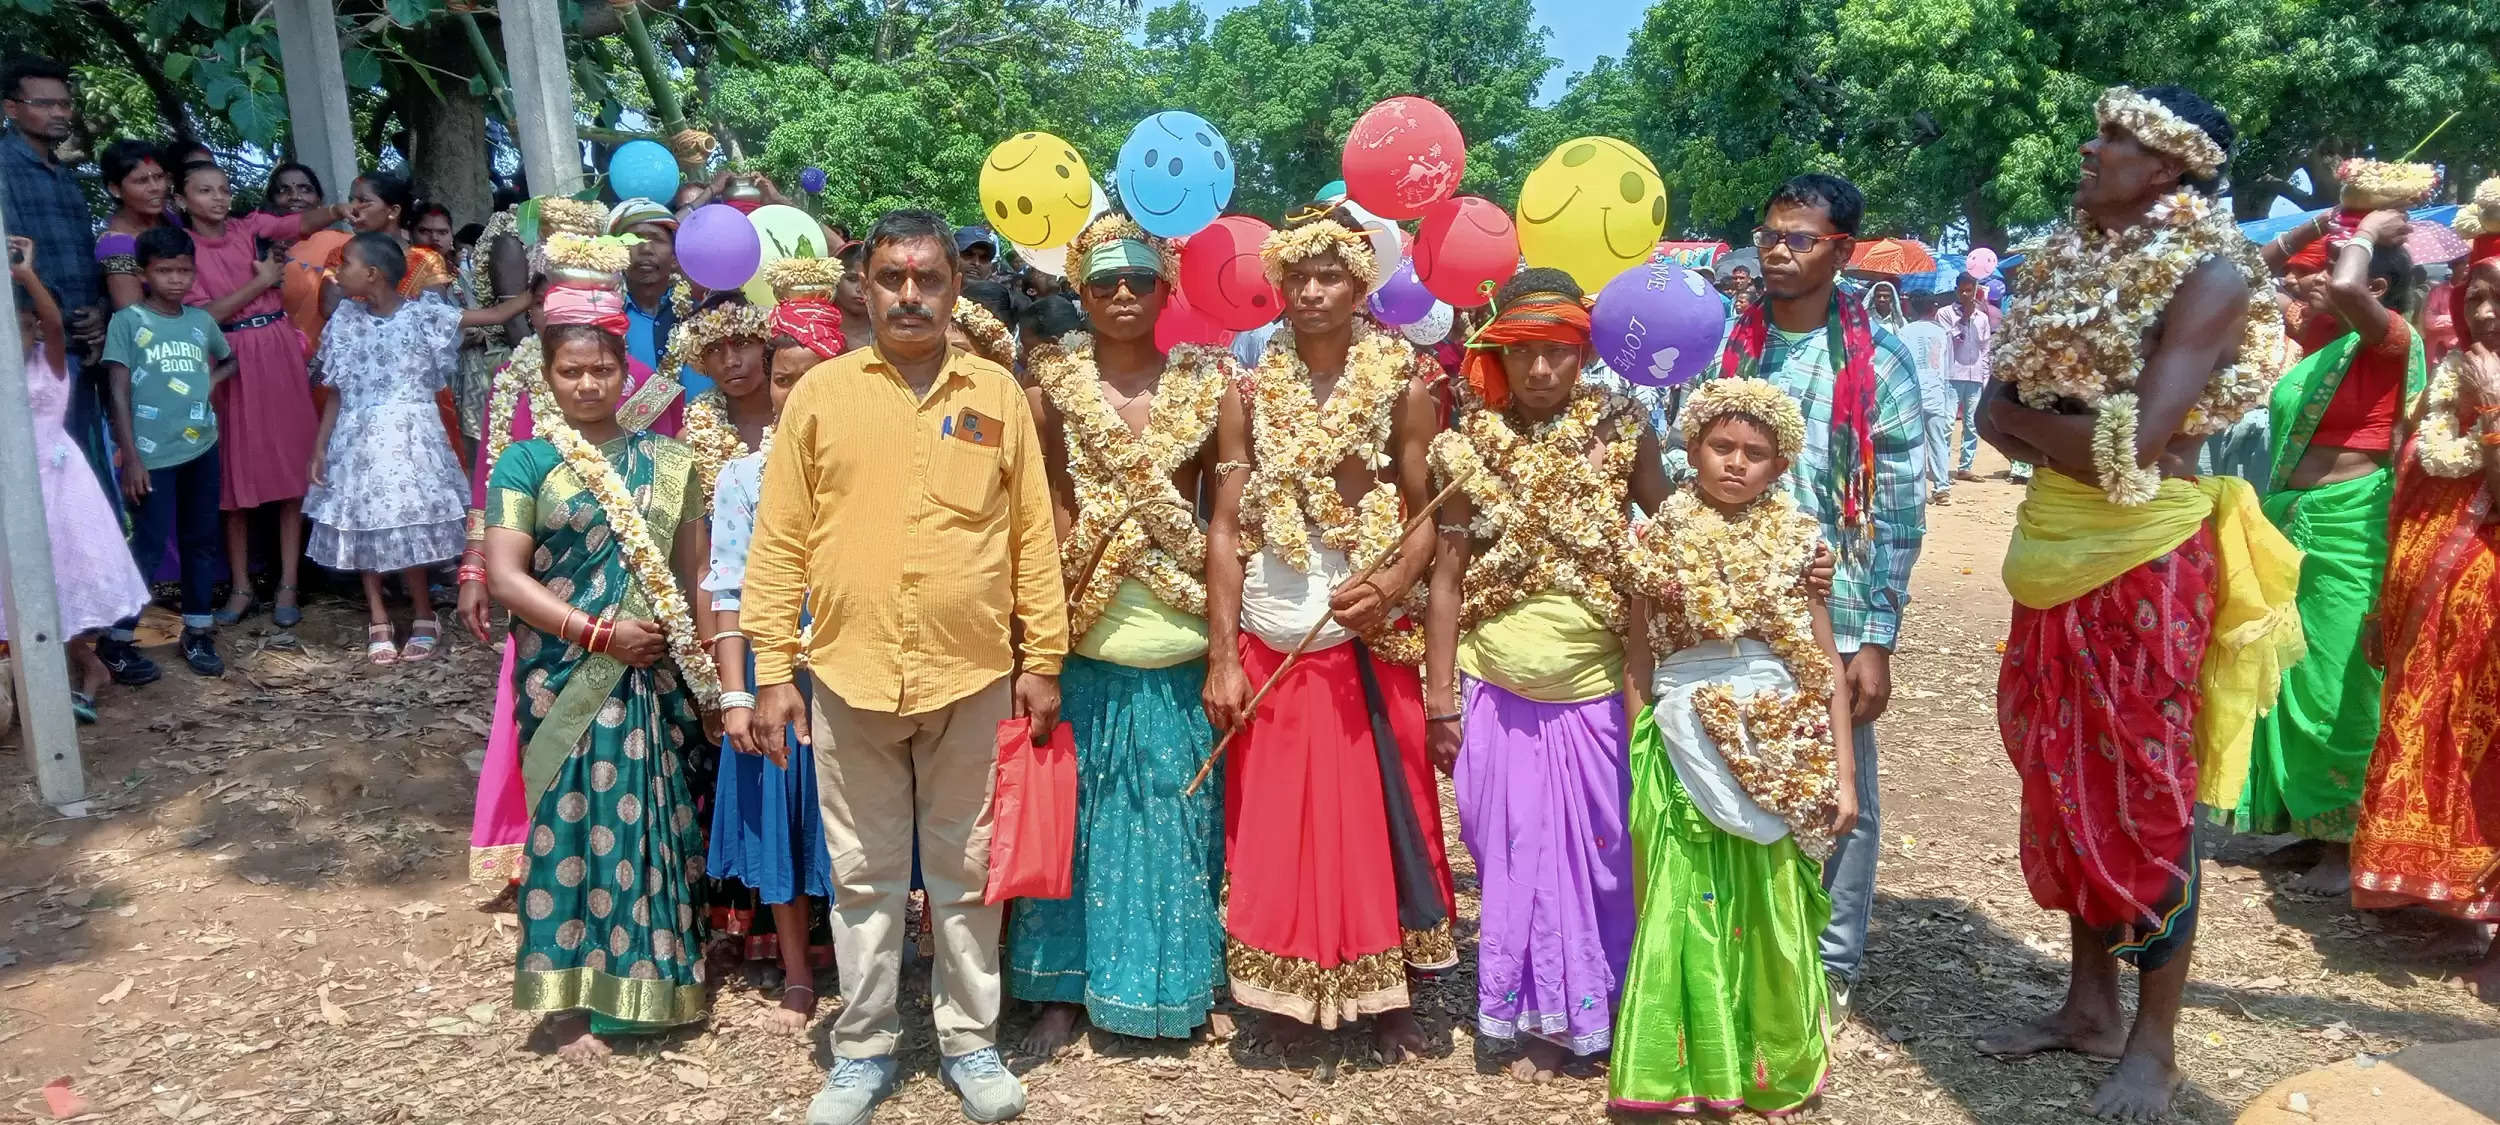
column 1035, row 190
column 1593, row 209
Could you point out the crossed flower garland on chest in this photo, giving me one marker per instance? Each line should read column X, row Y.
column 1117, row 471
column 1710, row 578
column 1299, row 444
column 1555, row 516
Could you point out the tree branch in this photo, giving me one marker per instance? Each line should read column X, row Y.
column 147, row 65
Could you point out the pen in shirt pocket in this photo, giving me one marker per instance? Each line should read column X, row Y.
column 946, row 426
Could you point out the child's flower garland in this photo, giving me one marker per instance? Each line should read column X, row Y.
column 1115, row 468
column 524, row 371
column 642, row 556
column 713, row 439
column 1555, row 517
column 2443, row 447
column 1298, row 447
column 2087, row 303
column 1711, row 578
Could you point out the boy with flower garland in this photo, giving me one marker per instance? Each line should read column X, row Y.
column 2153, row 611
column 1742, row 775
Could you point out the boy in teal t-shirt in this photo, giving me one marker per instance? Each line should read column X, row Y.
column 162, row 358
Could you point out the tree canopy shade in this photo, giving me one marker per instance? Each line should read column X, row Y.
column 1946, row 111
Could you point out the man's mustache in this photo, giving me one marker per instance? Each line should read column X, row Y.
column 912, row 308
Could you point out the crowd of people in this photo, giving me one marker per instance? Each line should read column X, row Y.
column 777, row 575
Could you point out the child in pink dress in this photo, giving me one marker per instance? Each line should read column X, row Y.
column 92, row 571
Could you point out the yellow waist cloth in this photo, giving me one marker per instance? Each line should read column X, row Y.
column 1548, row 648
column 1138, row 631
column 2069, row 540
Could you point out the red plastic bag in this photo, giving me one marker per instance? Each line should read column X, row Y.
column 1033, row 837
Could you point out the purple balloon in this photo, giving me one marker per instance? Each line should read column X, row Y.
column 1402, row 299
column 811, row 179
column 717, row 248
column 1657, row 324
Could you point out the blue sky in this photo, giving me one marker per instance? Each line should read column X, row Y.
column 1595, row 27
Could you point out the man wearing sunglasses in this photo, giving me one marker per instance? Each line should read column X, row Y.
column 1131, row 437
column 1860, row 476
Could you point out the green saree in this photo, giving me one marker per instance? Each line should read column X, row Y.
column 608, row 915
column 2311, row 754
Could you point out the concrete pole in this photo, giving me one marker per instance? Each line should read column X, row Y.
column 37, row 663
column 542, row 95
column 316, row 91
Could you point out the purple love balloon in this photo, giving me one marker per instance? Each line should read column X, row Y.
column 811, row 179
column 1402, row 299
column 718, row 248
column 1657, row 324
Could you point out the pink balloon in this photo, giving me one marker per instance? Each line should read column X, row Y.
column 1402, row 156
column 1465, row 248
column 718, row 248
column 1981, row 263
column 1222, row 278
column 1183, row 324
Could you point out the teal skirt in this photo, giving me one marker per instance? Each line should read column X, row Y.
column 1141, row 941
column 1724, row 1006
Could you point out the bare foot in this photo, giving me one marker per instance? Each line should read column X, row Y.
column 574, row 1042
column 2139, row 1090
column 2331, row 878
column 2483, row 980
column 2058, row 1031
column 1053, row 1032
column 1538, row 1062
column 1399, row 1039
column 504, row 901
column 1279, row 1035
column 1219, row 1027
column 2298, row 853
column 798, row 1006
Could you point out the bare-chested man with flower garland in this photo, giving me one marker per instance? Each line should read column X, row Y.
column 1131, row 436
column 2153, row 610
column 1332, row 818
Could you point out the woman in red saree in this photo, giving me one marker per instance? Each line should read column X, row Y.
column 2430, row 819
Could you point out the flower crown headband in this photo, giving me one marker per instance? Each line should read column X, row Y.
column 1751, row 398
column 1115, row 228
column 1319, row 235
column 696, row 334
column 2158, row 127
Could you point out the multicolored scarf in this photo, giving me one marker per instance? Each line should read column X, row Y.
column 1543, row 316
column 1853, row 398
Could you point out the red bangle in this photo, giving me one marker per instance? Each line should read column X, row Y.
column 601, row 631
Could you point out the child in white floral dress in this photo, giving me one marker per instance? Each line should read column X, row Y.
column 387, row 490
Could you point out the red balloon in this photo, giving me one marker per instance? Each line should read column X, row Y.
column 1222, row 279
column 1183, row 324
column 1465, row 248
column 1403, row 155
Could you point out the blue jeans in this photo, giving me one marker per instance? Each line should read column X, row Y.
column 1850, row 873
column 182, row 501
column 1966, row 411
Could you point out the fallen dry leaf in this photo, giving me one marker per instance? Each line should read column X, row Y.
column 331, row 1013
column 118, row 991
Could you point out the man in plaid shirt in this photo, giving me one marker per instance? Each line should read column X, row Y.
column 44, row 202
column 1809, row 228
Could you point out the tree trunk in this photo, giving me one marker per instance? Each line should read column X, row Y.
column 450, row 164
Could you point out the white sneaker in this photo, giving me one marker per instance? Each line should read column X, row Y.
column 990, row 1091
column 852, row 1090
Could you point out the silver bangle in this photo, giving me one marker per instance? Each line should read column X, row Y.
column 729, row 699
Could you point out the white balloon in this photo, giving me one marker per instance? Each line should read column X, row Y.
column 1054, row 261
column 1387, row 247
column 1432, row 329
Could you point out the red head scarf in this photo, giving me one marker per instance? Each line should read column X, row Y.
column 1549, row 317
column 575, row 304
column 812, row 321
column 2486, row 249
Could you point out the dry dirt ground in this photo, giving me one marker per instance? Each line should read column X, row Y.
column 267, row 922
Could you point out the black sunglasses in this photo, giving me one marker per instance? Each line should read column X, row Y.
column 1798, row 242
column 1139, row 282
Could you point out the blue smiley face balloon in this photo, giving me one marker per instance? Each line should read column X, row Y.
column 1175, row 174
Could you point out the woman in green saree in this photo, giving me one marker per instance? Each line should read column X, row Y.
column 2334, row 420
column 608, row 726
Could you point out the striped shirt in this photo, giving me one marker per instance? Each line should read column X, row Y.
column 1871, row 584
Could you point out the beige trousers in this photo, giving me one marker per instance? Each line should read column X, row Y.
column 879, row 778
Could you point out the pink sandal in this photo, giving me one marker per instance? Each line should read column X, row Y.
column 379, row 649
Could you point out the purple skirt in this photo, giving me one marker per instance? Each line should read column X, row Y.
column 1542, row 793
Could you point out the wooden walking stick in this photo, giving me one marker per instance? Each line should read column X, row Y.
column 1252, row 709
column 1110, row 532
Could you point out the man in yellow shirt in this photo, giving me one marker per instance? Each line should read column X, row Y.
column 906, row 501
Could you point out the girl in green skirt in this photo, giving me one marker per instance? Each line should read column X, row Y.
column 592, row 535
column 1741, row 777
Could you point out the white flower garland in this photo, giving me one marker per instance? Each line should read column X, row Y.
column 1116, row 469
column 1556, row 518
column 642, row 556
column 2087, row 303
column 713, row 438
column 2124, row 479
column 2443, row 448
